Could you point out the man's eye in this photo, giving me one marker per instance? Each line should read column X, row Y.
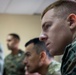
column 9, row 40
column 46, row 27
column 27, row 54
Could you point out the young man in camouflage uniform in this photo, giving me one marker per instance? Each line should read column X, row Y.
column 59, row 33
column 14, row 61
column 38, row 59
column 1, row 60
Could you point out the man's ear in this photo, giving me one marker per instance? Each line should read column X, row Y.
column 43, row 56
column 72, row 21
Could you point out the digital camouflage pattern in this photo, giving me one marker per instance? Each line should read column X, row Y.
column 54, row 68
column 13, row 64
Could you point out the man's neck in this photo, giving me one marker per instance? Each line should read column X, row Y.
column 15, row 51
column 44, row 69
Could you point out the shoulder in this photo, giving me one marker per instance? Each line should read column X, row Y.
column 7, row 57
column 7, row 60
column 21, row 54
column 54, row 68
column 55, row 65
column 21, row 51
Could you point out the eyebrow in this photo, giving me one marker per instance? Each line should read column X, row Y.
column 8, row 39
column 26, row 53
column 44, row 25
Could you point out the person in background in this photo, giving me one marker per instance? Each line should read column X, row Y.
column 1, row 59
column 39, row 60
column 13, row 63
column 59, row 33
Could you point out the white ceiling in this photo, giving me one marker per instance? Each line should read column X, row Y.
column 23, row 6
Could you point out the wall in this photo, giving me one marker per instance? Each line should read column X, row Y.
column 26, row 26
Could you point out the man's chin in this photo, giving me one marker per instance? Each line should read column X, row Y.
column 10, row 48
column 31, row 71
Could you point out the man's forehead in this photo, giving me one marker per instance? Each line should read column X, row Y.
column 30, row 47
column 9, row 37
column 47, row 16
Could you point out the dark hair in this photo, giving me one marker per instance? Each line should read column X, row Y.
column 15, row 36
column 62, row 8
column 39, row 46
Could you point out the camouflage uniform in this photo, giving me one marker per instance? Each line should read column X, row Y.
column 13, row 64
column 54, row 68
column 69, row 60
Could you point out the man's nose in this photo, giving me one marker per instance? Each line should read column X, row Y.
column 25, row 61
column 42, row 37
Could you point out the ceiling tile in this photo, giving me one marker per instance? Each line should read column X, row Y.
column 3, row 5
column 24, row 6
column 44, row 5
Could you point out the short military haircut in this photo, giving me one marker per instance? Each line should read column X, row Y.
column 62, row 8
column 38, row 45
column 15, row 35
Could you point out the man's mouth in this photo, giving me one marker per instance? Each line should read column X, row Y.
column 28, row 67
column 47, row 45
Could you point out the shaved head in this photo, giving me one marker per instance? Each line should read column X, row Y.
column 61, row 8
